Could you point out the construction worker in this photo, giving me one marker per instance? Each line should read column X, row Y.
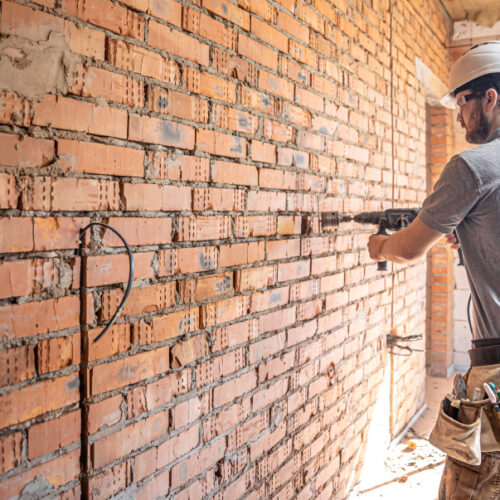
column 466, row 198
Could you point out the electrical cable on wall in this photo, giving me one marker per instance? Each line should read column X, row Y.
column 130, row 278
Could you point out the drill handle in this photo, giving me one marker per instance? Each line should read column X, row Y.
column 382, row 229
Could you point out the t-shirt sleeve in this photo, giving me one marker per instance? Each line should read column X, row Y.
column 455, row 193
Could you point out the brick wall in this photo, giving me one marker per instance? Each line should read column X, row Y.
column 212, row 135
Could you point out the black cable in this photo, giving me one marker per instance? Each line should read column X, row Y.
column 130, row 277
column 392, row 342
column 468, row 313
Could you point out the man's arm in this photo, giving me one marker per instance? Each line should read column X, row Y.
column 404, row 246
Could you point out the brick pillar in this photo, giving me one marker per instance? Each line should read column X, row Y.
column 440, row 258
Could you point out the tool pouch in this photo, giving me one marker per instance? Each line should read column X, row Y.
column 477, row 427
column 460, row 439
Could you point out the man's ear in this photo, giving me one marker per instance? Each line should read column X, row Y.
column 492, row 99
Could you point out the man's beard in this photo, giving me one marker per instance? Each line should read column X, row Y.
column 480, row 128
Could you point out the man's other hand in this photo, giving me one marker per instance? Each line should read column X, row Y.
column 452, row 241
column 375, row 244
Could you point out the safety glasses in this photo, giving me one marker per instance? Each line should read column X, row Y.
column 464, row 99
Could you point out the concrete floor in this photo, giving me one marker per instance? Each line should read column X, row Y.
column 413, row 467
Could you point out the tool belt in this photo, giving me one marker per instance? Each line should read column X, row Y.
column 485, row 352
column 474, row 426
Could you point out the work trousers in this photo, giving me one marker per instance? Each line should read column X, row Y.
column 461, row 481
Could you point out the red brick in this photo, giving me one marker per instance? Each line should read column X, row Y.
column 303, row 54
column 255, row 278
column 46, row 193
column 245, row 432
column 270, row 299
column 197, row 22
column 263, row 152
column 108, row 269
column 277, row 179
column 205, row 287
column 226, row 419
column 221, row 366
column 57, row 472
column 209, row 85
column 234, row 173
column 234, row 119
column 218, row 199
column 16, row 364
column 283, row 249
column 190, row 350
column 235, row 388
column 156, row 488
column 146, row 299
column 241, row 253
column 100, row 159
column 178, row 323
column 277, row 320
column 155, row 131
column 178, row 43
column 156, row 197
column 128, row 439
column 107, row 15
column 139, row 60
column 293, row 26
column 25, row 151
column 264, row 444
column 54, row 434
column 269, row 201
column 100, row 83
column 204, row 228
column 289, row 225
column 161, row 392
column 276, row 366
column 10, row 452
column 33, row 318
column 115, row 341
column 188, row 411
column 54, row 354
column 70, row 114
column 247, row 47
column 179, row 167
column 104, row 413
column 14, row 110
column 235, row 334
column 37, row 399
column 295, row 114
column 187, row 260
column 219, row 144
column 37, row 25
column 16, row 234
column 224, row 311
column 111, row 482
column 138, row 231
column 57, row 233
column 130, row 370
column 228, row 11
column 172, row 103
column 265, row 32
column 198, row 488
column 257, row 225
column 258, row 101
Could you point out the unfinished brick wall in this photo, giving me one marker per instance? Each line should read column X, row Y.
column 440, row 258
column 212, row 135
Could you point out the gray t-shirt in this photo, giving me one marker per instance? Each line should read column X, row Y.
column 467, row 198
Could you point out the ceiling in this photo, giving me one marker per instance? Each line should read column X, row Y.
column 484, row 12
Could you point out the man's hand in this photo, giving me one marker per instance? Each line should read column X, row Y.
column 452, row 241
column 375, row 244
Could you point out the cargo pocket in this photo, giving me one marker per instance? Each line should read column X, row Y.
column 492, row 427
column 460, row 440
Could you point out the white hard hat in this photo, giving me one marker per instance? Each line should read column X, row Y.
column 481, row 60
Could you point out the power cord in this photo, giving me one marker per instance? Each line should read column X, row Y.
column 392, row 342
